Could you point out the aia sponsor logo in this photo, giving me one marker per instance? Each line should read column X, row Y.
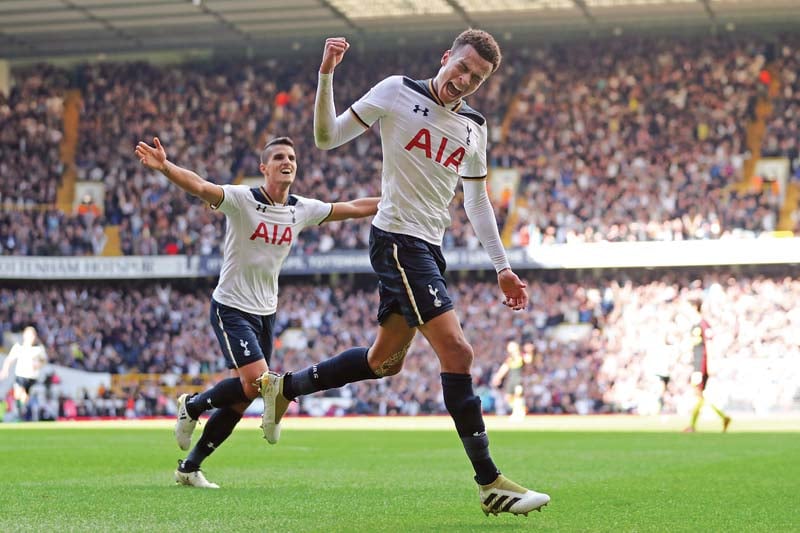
column 273, row 234
column 447, row 158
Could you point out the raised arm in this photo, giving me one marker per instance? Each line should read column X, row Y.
column 481, row 216
column 360, row 208
column 331, row 131
column 155, row 157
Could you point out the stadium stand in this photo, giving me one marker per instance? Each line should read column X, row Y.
column 620, row 148
column 599, row 342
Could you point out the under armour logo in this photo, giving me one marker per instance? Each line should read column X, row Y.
column 244, row 344
column 294, row 220
column 435, row 293
column 262, row 208
column 417, row 109
column 469, row 132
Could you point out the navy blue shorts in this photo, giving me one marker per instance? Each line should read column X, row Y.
column 244, row 337
column 25, row 383
column 410, row 277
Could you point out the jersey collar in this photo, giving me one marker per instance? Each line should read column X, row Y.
column 270, row 201
column 438, row 100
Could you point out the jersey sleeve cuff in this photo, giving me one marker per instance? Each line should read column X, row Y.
column 359, row 119
column 321, row 222
column 215, row 207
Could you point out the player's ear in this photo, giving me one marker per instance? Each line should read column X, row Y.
column 263, row 168
column 445, row 57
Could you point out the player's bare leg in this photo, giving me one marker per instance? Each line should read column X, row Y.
column 497, row 493
column 384, row 358
column 387, row 354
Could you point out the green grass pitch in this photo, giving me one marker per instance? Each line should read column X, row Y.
column 112, row 479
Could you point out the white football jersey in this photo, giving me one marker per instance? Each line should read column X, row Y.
column 30, row 360
column 426, row 147
column 258, row 238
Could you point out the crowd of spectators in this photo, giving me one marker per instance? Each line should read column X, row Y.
column 30, row 136
column 31, row 129
column 600, row 344
column 782, row 135
column 637, row 139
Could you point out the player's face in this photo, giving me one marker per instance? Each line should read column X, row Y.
column 28, row 336
column 281, row 166
column 462, row 72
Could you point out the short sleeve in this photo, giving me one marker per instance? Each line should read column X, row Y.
column 14, row 350
column 231, row 199
column 378, row 101
column 314, row 211
column 475, row 165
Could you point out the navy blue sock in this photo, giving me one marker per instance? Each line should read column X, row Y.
column 226, row 392
column 465, row 408
column 347, row 367
column 219, row 427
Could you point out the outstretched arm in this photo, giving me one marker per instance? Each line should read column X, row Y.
column 331, row 131
column 481, row 216
column 359, row 208
column 155, row 157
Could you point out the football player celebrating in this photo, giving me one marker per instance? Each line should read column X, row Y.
column 430, row 139
column 262, row 225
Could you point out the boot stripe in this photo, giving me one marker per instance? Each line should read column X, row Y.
column 499, row 503
column 488, row 500
column 510, row 504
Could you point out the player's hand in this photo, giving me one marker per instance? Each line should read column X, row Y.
column 154, row 157
column 335, row 48
column 516, row 297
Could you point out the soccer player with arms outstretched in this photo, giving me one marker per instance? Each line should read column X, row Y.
column 430, row 138
column 262, row 225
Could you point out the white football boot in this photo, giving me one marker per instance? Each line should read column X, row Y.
column 184, row 426
column 505, row 496
column 270, row 385
column 194, row 479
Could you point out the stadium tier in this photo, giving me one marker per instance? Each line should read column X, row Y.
column 609, row 147
column 599, row 344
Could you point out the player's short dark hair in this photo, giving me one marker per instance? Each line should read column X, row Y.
column 483, row 43
column 277, row 140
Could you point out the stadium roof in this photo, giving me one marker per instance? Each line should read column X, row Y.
column 50, row 28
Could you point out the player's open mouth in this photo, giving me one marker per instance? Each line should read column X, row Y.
column 286, row 171
column 452, row 90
